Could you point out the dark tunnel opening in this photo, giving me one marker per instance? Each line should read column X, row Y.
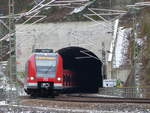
column 86, row 66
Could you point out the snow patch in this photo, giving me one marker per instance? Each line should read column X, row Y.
column 121, row 47
column 79, row 9
column 3, row 103
column 113, row 40
column 139, row 41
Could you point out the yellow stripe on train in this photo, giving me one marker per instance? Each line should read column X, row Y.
column 45, row 58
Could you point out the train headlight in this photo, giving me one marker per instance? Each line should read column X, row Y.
column 31, row 78
column 58, row 78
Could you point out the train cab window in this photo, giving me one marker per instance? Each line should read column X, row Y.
column 46, row 67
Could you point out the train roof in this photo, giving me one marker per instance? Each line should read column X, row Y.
column 42, row 51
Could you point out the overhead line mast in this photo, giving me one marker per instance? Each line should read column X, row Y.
column 12, row 40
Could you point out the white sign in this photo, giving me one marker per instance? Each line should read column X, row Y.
column 109, row 83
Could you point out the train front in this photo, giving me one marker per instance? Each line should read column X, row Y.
column 44, row 72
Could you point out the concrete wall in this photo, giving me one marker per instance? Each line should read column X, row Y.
column 122, row 74
column 59, row 35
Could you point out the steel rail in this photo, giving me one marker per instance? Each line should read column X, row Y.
column 98, row 99
column 92, row 99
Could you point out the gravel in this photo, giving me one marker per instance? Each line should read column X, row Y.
column 49, row 106
column 67, row 107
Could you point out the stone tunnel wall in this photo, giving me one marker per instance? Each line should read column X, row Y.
column 60, row 35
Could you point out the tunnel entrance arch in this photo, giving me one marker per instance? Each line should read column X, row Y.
column 86, row 66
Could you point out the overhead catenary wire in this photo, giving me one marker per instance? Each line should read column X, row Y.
column 105, row 14
column 36, row 9
column 37, row 5
column 89, row 55
column 41, row 4
column 140, row 4
column 98, row 23
column 34, row 13
column 109, row 10
column 1, row 21
column 71, row 1
column 39, row 20
column 33, row 10
column 99, row 15
column 31, row 17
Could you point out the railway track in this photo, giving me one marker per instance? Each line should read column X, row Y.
column 94, row 99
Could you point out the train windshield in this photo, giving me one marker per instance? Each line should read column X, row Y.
column 46, row 66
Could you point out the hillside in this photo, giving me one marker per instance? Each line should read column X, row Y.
column 139, row 46
column 55, row 14
column 145, row 50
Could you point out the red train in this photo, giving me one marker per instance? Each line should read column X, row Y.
column 45, row 74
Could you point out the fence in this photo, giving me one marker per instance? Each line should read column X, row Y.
column 126, row 92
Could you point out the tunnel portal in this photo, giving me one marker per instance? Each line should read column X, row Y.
column 86, row 66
